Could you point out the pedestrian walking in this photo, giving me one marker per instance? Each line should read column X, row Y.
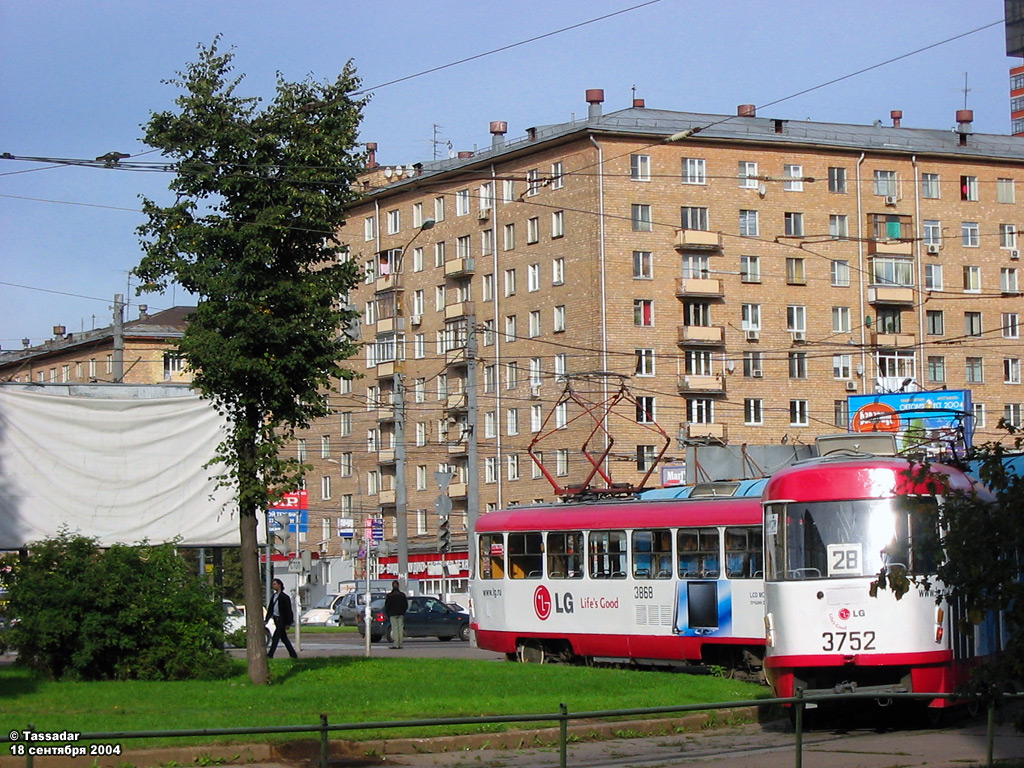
column 395, row 606
column 280, row 610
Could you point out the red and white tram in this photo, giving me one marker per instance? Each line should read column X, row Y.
column 663, row 581
column 832, row 525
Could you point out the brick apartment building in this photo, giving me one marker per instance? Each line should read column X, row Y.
column 744, row 275
column 148, row 354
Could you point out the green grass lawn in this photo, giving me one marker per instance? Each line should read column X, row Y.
column 347, row 689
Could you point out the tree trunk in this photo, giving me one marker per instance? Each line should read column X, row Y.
column 252, row 588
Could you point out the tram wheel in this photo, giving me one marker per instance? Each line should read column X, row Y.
column 531, row 653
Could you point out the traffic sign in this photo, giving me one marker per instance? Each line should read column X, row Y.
column 346, row 527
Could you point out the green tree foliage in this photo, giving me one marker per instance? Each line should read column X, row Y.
column 261, row 190
column 78, row 612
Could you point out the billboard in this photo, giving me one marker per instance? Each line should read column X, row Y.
column 917, row 419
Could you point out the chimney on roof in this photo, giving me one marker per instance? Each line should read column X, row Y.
column 59, row 330
column 964, row 119
column 639, row 104
column 746, row 110
column 143, row 311
column 465, row 155
column 498, row 130
column 26, row 343
column 897, row 116
column 778, row 125
column 595, row 97
column 371, row 154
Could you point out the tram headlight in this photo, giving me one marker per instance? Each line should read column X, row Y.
column 940, row 630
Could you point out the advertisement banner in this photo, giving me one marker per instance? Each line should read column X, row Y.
column 917, row 419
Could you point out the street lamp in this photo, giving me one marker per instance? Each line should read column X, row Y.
column 398, row 397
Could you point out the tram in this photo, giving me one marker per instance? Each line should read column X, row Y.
column 832, row 526
column 671, row 578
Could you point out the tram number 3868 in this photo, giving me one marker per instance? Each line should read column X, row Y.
column 851, row 641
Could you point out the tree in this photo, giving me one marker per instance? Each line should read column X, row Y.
column 261, row 190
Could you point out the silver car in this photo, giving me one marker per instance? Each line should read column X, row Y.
column 350, row 608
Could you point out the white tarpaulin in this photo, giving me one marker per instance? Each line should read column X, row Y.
column 116, row 462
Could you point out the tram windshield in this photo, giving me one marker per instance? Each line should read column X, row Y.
column 847, row 539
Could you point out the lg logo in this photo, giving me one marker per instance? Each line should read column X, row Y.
column 542, row 602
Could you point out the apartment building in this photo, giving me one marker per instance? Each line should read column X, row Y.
column 145, row 346
column 743, row 275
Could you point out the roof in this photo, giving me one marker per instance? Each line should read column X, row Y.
column 662, row 123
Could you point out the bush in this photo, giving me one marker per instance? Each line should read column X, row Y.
column 127, row 612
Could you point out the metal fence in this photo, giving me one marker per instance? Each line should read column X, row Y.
column 563, row 717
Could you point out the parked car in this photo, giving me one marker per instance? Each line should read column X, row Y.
column 321, row 612
column 350, row 607
column 426, row 617
column 234, row 621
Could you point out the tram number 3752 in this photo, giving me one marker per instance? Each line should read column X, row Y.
column 851, row 641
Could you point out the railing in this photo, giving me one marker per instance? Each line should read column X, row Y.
column 562, row 717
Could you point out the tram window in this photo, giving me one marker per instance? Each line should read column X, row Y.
column 525, row 555
column 743, row 553
column 607, row 555
column 565, row 555
column 698, row 553
column 916, row 541
column 652, row 554
column 492, row 556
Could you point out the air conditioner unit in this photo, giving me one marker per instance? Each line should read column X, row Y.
column 851, row 386
column 757, row 373
column 753, row 335
column 799, row 335
column 891, row 199
column 416, row 319
column 535, row 392
column 484, row 215
column 933, row 250
column 1014, row 254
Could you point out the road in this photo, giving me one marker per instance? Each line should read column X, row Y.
column 352, row 644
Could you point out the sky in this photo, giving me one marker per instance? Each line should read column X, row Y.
column 78, row 80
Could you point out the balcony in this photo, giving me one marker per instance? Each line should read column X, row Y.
column 697, row 240
column 701, row 335
column 891, row 294
column 386, row 283
column 457, row 310
column 455, row 357
column 708, row 385
column 458, row 448
column 893, row 339
column 390, row 324
column 459, row 267
column 699, row 286
column 891, row 247
column 456, row 401
column 386, row 456
column 386, row 498
column 703, row 431
column 457, row 490
column 388, row 369
column 385, row 413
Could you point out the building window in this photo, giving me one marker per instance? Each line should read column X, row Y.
column 841, row 366
column 969, row 188
column 558, row 224
column 890, row 271
column 932, row 232
column 532, row 230
column 972, row 279
column 532, row 182
column 1012, row 414
column 510, row 328
column 643, row 265
column 750, row 317
column 325, row 488
column 325, row 447
column 753, row 411
column 562, row 462
column 839, row 271
column 417, row 214
column 439, row 254
column 794, row 224
column 641, row 218
column 936, row 368
column 490, row 424
column 700, row 410
column 1011, row 325
column 749, row 225
column 1011, row 370
column 930, row 185
column 511, row 375
column 558, row 271
column 174, row 364
column 798, row 365
column 561, row 415
column 369, row 228
column 645, row 410
column 534, row 324
column 694, row 217
column 935, row 322
column 837, row 180
column 508, row 190
column 1008, row 280
column 795, row 274
column 750, row 269
column 558, row 323
column 840, row 319
column 645, row 457
column 752, row 365
column 972, row 323
column 796, row 318
column 561, row 366
column 644, row 361
column 643, row 312
column 885, row 183
column 533, row 278
column 974, row 370
column 509, row 231
column 1005, row 191
column 748, row 174
column 793, row 178
column 798, row 413
column 838, row 226
column 536, row 417
column 557, row 175
column 933, row 277
column 491, row 469
column 463, row 247
column 439, row 208
column 512, row 421
column 694, row 170
column 640, row 167
column 1007, row 235
column 510, row 282
column 970, row 234
column 394, row 222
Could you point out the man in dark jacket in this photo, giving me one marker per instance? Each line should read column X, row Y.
column 395, row 606
column 280, row 610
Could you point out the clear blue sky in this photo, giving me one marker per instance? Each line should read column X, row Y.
column 79, row 78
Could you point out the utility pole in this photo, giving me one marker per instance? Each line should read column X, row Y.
column 401, row 503
column 117, row 358
column 472, row 454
